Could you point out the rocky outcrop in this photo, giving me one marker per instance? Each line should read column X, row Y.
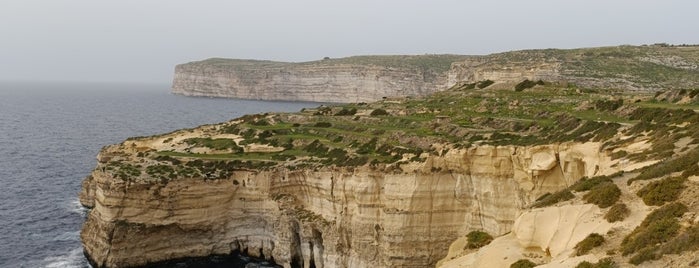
column 621, row 67
column 341, row 80
column 327, row 217
column 371, row 78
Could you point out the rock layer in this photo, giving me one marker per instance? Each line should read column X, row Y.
column 319, row 81
column 328, row 217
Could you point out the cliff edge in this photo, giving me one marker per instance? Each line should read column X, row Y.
column 372, row 78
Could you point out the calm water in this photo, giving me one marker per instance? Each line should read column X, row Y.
column 49, row 137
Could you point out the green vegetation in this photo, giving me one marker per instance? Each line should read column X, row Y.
column 658, row 227
column 603, row 195
column 593, row 240
column 378, row 112
column 523, row 263
column 478, row 239
column 657, row 193
column 216, row 144
column 603, row 263
column 484, row 84
column 527, row 84
column 586, row 184
column 122, row 170
column 618, row 212
column 687, row 164
column 550, row 199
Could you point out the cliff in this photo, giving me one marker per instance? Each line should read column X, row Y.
column 647, row 68
column 329, row 217
column 371, row 78
column 394, row 183
column 354, row 79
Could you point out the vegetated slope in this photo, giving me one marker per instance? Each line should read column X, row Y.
column 371, row 78
column 396, row 144
column 622, row 67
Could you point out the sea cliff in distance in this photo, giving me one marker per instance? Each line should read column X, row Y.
column 589, row 167
column 371, row 78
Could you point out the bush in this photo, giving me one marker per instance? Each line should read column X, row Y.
column 523, row 263
column 686, row 163
column 346, row 112
column 527, row 84
column 645, row 254
column 618, row 212
column 586, row 184
column 484, row 83
column 687, row 241
column 659, row 226
column 657, row 193
column 603, row 263
column 322, row 124
column 478, row 239
column 603, row 195
column 608, row 105
column 550, row 199
column 378, row 112
column 593, row 240
column 316, row 148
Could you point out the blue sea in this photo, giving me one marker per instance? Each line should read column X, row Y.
column 50, row 134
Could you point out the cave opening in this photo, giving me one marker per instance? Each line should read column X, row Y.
column 295, row 247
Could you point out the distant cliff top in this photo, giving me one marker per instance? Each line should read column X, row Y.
column 371, row 78
column 429, row 62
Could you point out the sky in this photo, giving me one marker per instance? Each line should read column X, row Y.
column 143, row 40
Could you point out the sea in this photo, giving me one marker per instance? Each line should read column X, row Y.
column 50, row 133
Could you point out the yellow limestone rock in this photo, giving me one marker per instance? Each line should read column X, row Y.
column 547, row 234
column 336, row 217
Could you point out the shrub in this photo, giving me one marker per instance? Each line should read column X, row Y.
column 378, row 112
column 484, row 83
column 603, row 195
column 346, row 112
column 593, row 240
column 657, row 193
column 687, row 241
column 550, row 199
column 603, row 263
column 659, row 226
column 368, row 147
column 316, row 148
column 685, row 162
column 477, row 239
column 608, row 105
column 618, row 212
column 587, row 184
column 322, row 124
column 645, row 254
column 523, row 263
column 527, row 84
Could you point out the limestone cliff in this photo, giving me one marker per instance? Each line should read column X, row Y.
column 371, row 78
column 328, row 217
column 354, row 79
column 621, row 67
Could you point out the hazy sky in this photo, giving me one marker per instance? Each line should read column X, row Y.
column 142, row 41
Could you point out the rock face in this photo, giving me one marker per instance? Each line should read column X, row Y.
column 370, row 78
column 321, row 81
column 622, row 67
column 328, row 217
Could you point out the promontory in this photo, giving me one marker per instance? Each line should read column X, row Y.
column 559, row 169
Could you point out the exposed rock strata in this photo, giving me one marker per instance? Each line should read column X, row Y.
column 330, row 217
column 370, row 78
column 304, row 82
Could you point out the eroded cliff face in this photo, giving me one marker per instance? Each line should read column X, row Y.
column 326, row 217
column 304, row 82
